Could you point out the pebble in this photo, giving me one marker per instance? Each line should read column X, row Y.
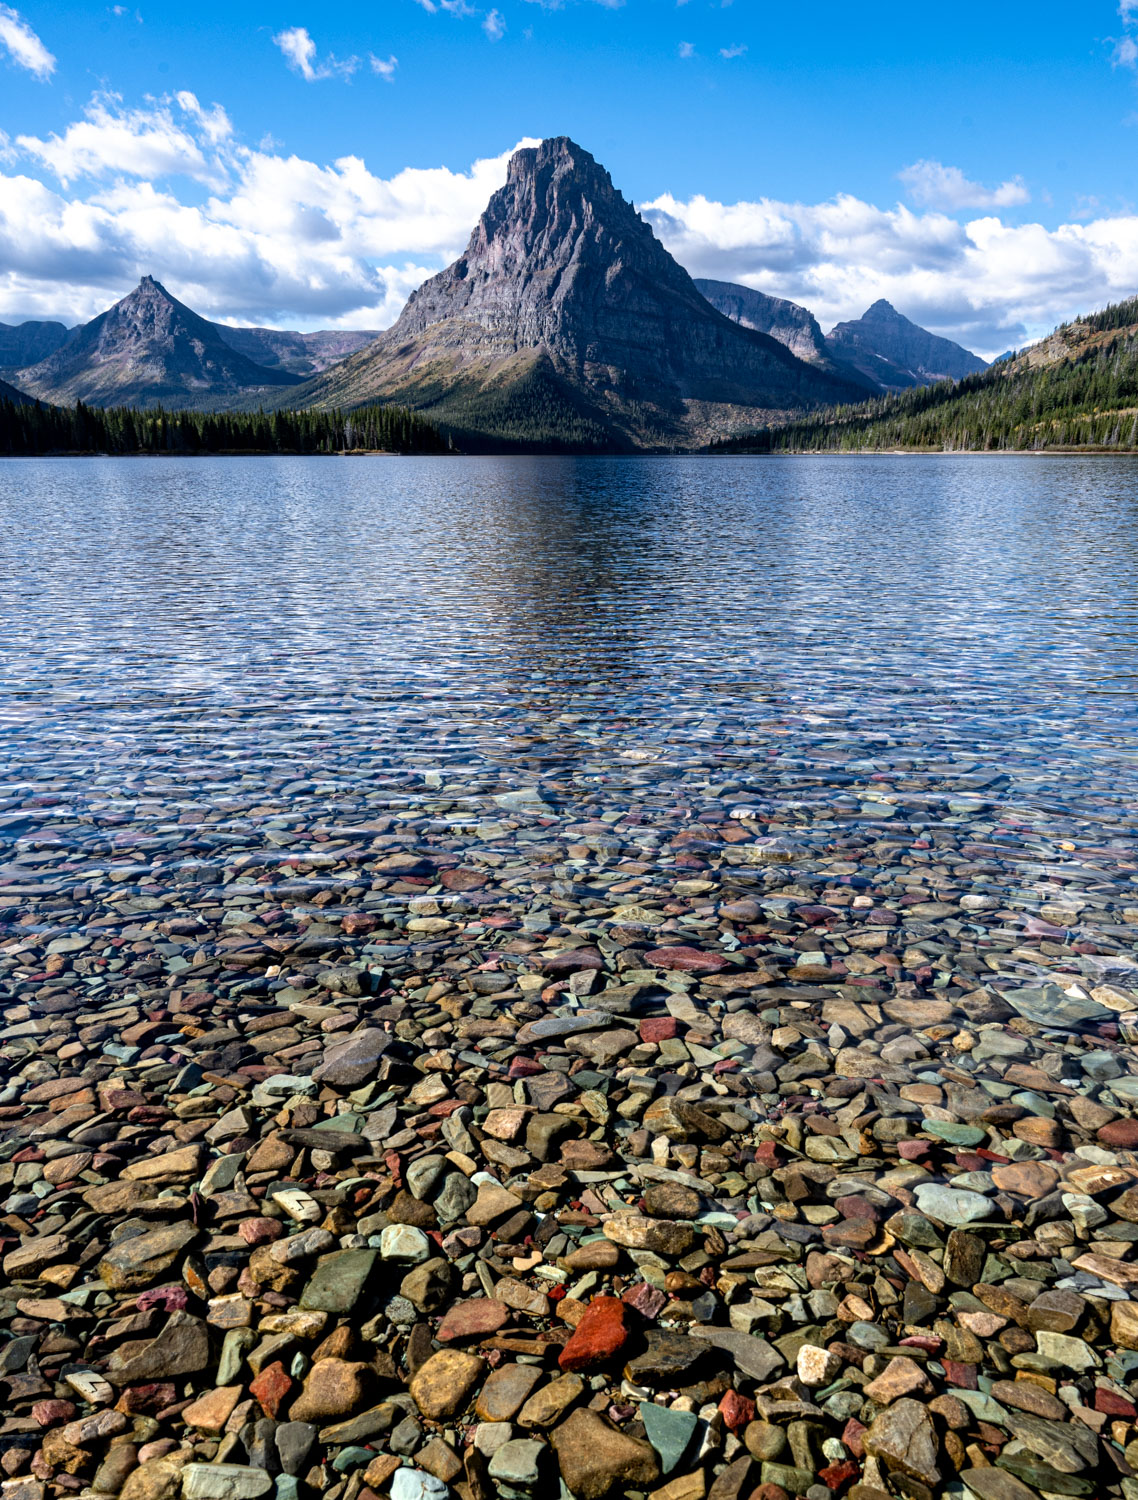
column 736, row 1107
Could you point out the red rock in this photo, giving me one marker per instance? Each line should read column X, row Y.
column 48, row 1412
column 649, row 1301
column 836, row 1476
column 852, row 1436
column 857, row 1208
column 913, row 1150
column 687, row 960
column 169, row 1298
column 572, row 961
column 1119, row 1133
column 472, row 1319
column 139, row 1399
column 355, row 923
column 737, row 1411
column 524, row 1067
column 1114, row 1405
column 769, row 1492
column 271, row 1387
column 658, row 1028
column 961, row 1376
column 599, row 1338
column 260, row 1231
column 462, row 880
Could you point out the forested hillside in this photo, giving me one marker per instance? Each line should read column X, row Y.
column 1076, row 389
column 38, row 429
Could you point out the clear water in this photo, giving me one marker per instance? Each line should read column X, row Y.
column 217, row 672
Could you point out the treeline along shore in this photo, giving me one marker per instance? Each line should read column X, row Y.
column 33, row 429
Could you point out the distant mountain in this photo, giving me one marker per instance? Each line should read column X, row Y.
column 25, row 343
column 300, row 353
column 1075, row 389
column 10, row 393
column 566, row 324
column 794, row 326
column 896, row 353
column 148, row 350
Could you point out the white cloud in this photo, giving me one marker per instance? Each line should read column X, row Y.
column 23, row 46
column 494, row 25
column 736, row 51
column 933, row 185
column 300, row 53
column 687, row 49
column 987, row 284
column 384, row 66
column 277, row 240
column 147, row 142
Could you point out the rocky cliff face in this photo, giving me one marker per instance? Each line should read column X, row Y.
column 25, row 343
column 149, row 349
column 897, row 353
column 302, row 354
column 566, row 318
column 790, row 324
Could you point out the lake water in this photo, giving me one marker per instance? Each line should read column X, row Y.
column 800, row 791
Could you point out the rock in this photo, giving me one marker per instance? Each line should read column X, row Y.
column 145, row 1258
column 519, row 1463
column 182, row 1348
column 669, row 1432
column 904, row 1439
column 506, row 1391
column 952, row 1205
column 332, row 1388
column 816, row 1366
column 442, row 1387
column 353, row 1061
column 338, row 1281
column 595, row 1457
column 599, row 1338
column 223, row 1482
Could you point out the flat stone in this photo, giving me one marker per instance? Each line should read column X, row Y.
column 145, row 1258
column 954, row 1206
column 442, row 1386
column 595, row 1457
column 669, row 1432
column 338, row 1281
column 904, row 1439
column 224, row 1482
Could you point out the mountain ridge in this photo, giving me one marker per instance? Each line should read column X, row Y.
column 565, row 315
column 898, row 354
column 148, row 349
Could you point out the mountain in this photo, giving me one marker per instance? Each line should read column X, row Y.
column 300, row 353
column 1077, row 388
column 790, row 324
column 898, row 354
column 148, row 350
column 566, row 324
column 25, row 343
column 11, row 394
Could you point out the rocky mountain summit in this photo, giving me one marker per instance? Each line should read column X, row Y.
column 567, row 323
column 896, row 353
column 146, row 350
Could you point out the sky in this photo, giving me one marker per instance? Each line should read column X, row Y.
column 307, row 166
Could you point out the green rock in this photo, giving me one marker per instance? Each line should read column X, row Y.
column 794, row 1481
column 954, row 1132
column 669, row 1432
column 1041, row 1476
column 338, row 1281
column 351, row 1458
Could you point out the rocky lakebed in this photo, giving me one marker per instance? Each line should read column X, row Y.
column 629, row 1069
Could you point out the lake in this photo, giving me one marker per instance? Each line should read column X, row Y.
column 801, row 793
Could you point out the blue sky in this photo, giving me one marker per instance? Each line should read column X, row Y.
column 306, row 165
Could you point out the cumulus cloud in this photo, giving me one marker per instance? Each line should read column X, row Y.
column 300, row 53
column 278, row 239
column 146, row 142
column 23, row 46
column 384, row 66
column 934, row 185
column 988, row 284
column 494, row 25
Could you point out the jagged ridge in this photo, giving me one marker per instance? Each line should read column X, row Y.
column 564, row 290
column 898, row 354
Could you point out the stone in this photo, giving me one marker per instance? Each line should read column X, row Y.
column 338, row 1281
column 224, row 1482
column 901, row 1377
column 182, row 1348
column 816, row 1366
column 599, row 1338
column 210, row 1413
column 595, row 1457
column 904, row 1439
column 954, row 1206
column 352, row 1062
column 519, row 1462
column 442, row 1386
column 145, row 1258
column 506, row 1391
column 332, row 1388
column 670, row 1433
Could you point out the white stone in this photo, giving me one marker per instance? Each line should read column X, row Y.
column 224, row 1482
column 817, row 1366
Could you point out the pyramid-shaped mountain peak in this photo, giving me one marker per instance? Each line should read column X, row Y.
column 565, row 302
